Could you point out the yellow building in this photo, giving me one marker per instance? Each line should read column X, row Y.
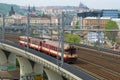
column 8, row 20
column 40, row 21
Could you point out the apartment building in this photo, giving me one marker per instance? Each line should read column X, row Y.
column 95, row 22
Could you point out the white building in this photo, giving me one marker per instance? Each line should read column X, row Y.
column 94, row 36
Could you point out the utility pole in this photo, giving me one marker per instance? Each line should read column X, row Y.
column 62, row 40
column 51, row 29
column 99, row 29
column 59, row 40
column 3, row 27
column 80, row 22
column 28, row 25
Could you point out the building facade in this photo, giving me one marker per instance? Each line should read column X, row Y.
column 8, row 20
column 90, row 14
column 41, row 21
column 94, row 22
column 113, row 13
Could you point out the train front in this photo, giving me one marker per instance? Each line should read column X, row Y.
column 71, row 55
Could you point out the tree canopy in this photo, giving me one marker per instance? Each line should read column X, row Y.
column 72, row 38
column 109, row 26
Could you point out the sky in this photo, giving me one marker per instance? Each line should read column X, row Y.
column 93, row 4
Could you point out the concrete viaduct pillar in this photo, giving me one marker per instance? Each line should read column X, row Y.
column 52, row 75
column 7, row 60
column 30, row 70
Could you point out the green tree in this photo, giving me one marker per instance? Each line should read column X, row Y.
column 72, row 38
column 111, row 34
column 76, row 25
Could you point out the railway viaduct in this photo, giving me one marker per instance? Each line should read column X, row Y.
column 33, row 63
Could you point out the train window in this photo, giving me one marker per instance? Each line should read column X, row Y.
column 19, row 38
column 72, row 50
column 25, row 40
column 22, row 39
column 66, row 50
column 43, row 44
column 58, row 49
column 33, row 41
column 47, row 46
column 55, row 48
column 50, row 46
column 36, row 42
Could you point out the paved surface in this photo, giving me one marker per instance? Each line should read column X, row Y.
column 10, row 74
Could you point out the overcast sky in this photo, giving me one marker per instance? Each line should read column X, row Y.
column 96, row 4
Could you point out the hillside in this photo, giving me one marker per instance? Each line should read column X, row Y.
column 5, row 8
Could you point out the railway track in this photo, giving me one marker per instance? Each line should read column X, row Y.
column 102, row 66
column 97, row 57
column 95, row 70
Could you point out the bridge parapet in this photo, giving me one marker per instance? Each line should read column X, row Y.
column 47, row 61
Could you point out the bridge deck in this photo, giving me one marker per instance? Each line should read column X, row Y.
column 67, row 67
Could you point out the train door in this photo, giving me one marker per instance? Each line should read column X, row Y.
column 40, row 45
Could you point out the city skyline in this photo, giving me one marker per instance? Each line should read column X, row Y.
column 92, row 4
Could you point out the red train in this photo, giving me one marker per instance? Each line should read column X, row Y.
column 50, row 47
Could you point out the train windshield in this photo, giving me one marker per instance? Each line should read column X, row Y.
column 71, row 50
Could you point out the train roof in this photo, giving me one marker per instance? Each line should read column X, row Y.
column 56, row 43
column 24, row 37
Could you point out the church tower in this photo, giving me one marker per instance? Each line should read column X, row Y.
column 11, row 12
column 29, row 10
